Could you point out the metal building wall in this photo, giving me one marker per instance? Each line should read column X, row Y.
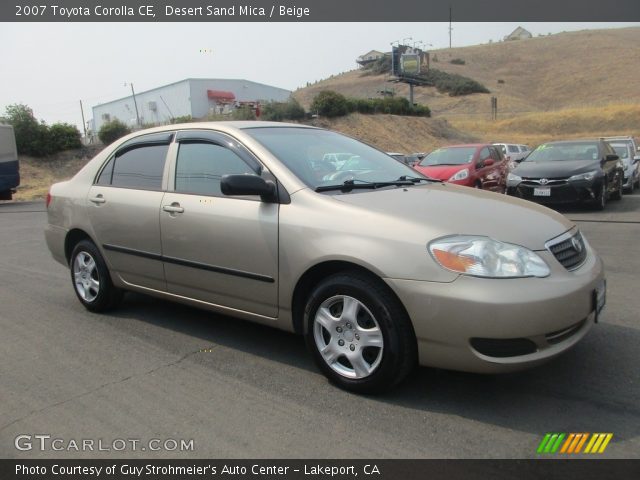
column 176, row 96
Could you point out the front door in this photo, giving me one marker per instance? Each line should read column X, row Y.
column 218, row 249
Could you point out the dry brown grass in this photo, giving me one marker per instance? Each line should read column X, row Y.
column 37, row 174
column 566, row 70
column 535, row 128
column 394, row 133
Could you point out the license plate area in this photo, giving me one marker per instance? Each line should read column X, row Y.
column 599, row 298
column 542, row 192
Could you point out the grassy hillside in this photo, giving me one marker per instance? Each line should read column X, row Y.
column 566, row 70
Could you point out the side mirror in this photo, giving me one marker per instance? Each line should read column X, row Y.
column 610, row 157
column 488, row 162
column 248, row 185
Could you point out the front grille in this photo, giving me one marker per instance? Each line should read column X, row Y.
column 560, row 193
column 570, row 252
column 551, row 182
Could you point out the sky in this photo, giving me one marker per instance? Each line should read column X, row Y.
column 52, row 66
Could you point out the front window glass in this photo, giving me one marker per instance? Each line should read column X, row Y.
column 200, row 167
column 320, row 157
column 449, row 156
column 554, row 152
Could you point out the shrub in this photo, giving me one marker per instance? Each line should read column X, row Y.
column 389, row 105
column 279, row 111
column 453, row 83
column 329, row 104
column 243, row 113
column 457, row 61
column 182, row 119
column 113, row 130
column 64, row 136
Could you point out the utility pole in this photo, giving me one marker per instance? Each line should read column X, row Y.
column 84, row 124
column 133, row 93
column 450, row 27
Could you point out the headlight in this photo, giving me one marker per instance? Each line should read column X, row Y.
column 513, row 178
column 485, row 257
column 461, row 175
column 588, row 176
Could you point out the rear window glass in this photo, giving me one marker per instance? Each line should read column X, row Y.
column 140, row 168
column 513, row 149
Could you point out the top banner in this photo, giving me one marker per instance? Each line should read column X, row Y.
column 320, row 11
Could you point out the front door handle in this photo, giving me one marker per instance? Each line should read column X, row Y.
column 97, row 199
column 173, row 208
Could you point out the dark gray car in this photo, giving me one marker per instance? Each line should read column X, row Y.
column 569, row 172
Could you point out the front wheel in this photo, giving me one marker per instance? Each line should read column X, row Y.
column 91, row 279
column 617, row 195
column 601, row 200
column 359, row 335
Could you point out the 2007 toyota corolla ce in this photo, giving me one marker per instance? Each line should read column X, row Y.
column 378, row 266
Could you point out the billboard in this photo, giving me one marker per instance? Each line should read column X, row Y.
column 408, row 61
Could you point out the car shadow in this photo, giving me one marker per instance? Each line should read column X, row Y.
column 595, row 387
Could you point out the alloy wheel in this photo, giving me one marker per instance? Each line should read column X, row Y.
column 85, row 276
column 348, row 337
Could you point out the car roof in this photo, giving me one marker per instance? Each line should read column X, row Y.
column 224, row 126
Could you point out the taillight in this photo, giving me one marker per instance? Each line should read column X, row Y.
column 48, row 200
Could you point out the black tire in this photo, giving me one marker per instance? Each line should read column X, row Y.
column 600, row 201
column 389, row 364
column 105, row 296
column 617, row 195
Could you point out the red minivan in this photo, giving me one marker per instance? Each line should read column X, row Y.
column 479, row 165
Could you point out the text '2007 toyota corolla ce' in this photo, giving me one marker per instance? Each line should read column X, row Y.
column 378, row 266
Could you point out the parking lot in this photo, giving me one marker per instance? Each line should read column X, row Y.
column 153, row 369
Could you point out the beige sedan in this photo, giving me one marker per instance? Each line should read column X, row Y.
column 380, row 268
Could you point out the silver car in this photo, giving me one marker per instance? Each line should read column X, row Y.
column 380, row 269
column 631, row 165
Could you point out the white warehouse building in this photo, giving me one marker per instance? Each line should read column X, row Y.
column 198, row 97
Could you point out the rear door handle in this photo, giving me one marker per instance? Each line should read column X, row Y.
column 97, row 199
column 173, row 208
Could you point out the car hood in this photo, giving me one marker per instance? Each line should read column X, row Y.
column 447, row 209
column 558, row 169
column 441, row 172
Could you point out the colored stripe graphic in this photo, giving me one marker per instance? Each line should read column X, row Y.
column 572, row 443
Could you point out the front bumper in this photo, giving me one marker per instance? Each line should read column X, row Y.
column 551, row 313
column 565, row 192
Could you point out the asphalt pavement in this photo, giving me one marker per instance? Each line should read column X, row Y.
column 157, row 370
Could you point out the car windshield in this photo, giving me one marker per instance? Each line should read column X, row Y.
column 621, row 150
column 553, row 152
column 310, row 154
column 449, row 156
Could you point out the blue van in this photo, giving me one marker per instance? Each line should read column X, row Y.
column 9, row 166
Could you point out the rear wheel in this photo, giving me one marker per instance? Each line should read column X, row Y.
column 91, row 279
column 359, row 335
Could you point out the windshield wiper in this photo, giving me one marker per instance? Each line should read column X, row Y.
column 351, row 185
column 420, row 179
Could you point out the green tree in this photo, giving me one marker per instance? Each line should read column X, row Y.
column 113, row 130
column 32, row 137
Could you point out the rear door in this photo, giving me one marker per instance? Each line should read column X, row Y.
column 123, row 206
column 218, row 249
